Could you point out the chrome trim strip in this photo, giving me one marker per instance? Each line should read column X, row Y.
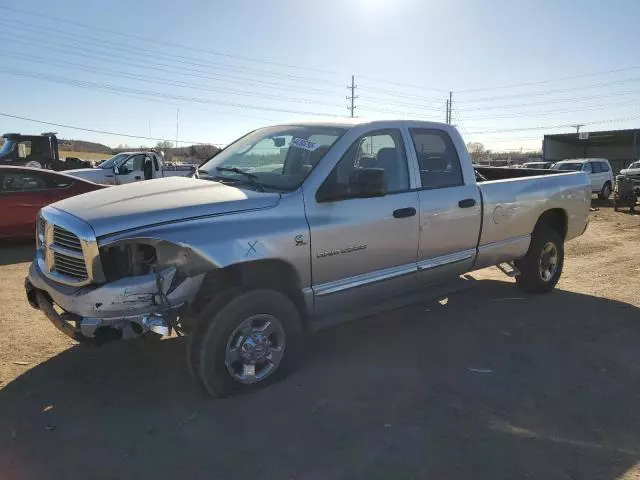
column 436, row 262
column 364, row 279
column 508, row 241
column 66, row 251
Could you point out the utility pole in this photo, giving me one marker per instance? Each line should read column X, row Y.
column 446, row 117
column 450, row 106
column 177, row 129
column 353, row 96
column 578, row 127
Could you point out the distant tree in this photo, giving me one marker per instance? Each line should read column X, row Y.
column 164, row 144
column 476, row 149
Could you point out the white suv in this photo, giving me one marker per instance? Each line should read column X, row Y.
column 598, row 169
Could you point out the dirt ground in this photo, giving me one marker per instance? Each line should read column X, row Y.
column 491, row 384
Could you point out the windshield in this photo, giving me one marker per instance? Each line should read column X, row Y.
column 278, row 158
column 635, row 165
column 6, row 147
column 113, row 161
column 575, row 166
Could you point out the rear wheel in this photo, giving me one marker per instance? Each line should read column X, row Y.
column 33, row 164
column 249, row 343
column 541, row 267
column 605, row 192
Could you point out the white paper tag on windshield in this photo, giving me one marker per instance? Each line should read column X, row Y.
column 304, row 144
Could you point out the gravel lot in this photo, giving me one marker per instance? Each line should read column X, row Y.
column 491, row 384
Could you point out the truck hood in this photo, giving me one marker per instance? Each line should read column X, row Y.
column 151, row 202
column 97, row 175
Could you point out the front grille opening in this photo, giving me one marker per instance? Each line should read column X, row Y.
column 66, row 239
column 71, row 266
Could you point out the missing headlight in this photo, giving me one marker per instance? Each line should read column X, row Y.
column 127, row 260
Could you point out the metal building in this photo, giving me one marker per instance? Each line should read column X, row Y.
column 620, row 147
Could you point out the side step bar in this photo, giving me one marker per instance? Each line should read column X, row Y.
column 509, row 269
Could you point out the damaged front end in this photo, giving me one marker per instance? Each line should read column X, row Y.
column 100, row 292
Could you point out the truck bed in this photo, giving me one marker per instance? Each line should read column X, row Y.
column 514, row 198
column 484, row 174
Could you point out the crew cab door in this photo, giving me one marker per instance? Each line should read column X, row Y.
column 131, row 170
column 450, row 206
column 363, row 250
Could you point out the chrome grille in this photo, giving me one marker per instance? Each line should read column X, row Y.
column 68, row 258
column 68, row 265
column 66, row 239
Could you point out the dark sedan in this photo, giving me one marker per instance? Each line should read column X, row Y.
column 24, row 191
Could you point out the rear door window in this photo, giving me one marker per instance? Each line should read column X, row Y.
column 604, row 167
column 437, row 158
column 21, row 182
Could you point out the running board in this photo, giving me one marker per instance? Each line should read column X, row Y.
column 509, row 269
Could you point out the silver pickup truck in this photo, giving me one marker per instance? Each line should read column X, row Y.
column 290, row 228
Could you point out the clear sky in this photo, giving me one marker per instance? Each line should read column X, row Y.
column 231, row 66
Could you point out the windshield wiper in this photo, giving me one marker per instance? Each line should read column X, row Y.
column 249, row 176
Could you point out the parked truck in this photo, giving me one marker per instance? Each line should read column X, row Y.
column 36, row 151
column 289, row 229
column 130, row 167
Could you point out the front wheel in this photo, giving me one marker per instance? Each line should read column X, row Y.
column 541, row 267
column 249, row 343
column 605, row 192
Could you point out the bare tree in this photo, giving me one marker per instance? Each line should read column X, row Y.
column 164, row 144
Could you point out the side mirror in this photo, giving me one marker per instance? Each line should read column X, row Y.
column 368, row 182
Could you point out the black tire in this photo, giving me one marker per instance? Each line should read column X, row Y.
column 217, row 325
column 531, row 279
column 605, row 193
column 196, row 337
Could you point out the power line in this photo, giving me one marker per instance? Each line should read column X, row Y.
column 537, row 113
column 549, row 127
column 553, row 102
column 117, row 89
column 84, row 39
column 404, row 84
column 393, row 112
column 137, row 63
column 550, row 91
column 409, row 96
column 540, row 82
column 459, row 118
column 159, row 42
column 101, row 131
column 416, row 106
column 173, row 83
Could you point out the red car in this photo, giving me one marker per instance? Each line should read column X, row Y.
column 24, row 191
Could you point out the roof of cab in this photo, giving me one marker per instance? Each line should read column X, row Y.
column 354, row 122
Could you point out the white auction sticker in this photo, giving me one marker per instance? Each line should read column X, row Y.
column 304, row 144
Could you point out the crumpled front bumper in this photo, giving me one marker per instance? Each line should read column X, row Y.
column 149, row 301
